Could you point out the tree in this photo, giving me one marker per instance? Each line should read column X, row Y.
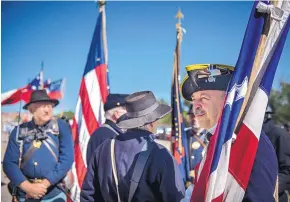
column 67, row 114
column 166, row 119
column 280, row 102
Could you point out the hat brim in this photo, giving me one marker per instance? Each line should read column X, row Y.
column 53, row 101
column 187, row 88
column 126, row 122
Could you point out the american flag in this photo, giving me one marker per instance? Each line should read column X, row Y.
column 225, row 170
column 180, row 144
column 89, row 113
column 24, row 93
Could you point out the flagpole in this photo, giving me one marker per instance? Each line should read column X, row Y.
column 102, row 10
column 255, row 71
column 62, row 96
column 179, row 16
column 251, row 88
column 41, row 75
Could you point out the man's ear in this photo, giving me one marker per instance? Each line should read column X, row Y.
column 115, row 115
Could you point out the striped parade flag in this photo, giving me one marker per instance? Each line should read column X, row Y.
column 89, row 113
column 225, row 170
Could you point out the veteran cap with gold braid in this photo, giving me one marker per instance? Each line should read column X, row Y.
column 205, row 77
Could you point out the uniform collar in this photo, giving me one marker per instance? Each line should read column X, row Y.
column 210, row 132
column 37, row 126
column 114, row 126
column 135, row 134
column 212, row 129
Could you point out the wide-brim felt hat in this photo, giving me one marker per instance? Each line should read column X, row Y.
column 142, row 108
column 202, row 77
column 40, row 96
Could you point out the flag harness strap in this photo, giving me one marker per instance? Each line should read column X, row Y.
column 138, row 169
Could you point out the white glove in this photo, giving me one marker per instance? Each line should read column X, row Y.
column 188, row 194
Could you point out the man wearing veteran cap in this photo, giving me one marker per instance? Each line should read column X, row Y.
column 114, row 108
column 205, row 86
column 39, row 153
column 132, row 167
column 196, row 141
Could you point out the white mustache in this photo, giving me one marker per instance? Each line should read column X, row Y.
column 199, row 111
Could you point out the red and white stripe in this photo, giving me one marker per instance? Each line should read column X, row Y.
column 11, row 97
column 89, row 115
column 230, row 180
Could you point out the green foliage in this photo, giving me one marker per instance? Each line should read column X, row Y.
column 167, row 118
column 280, row 103
column 187, row 103
column 68, row 114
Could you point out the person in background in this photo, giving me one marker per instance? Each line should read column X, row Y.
column 281, row 142
column 132, row 166
column 287, row 128
column 39, row 153
column 196, row 142
column 114, row 108
column 205, row 86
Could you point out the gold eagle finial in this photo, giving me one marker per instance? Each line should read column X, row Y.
column 179, row 16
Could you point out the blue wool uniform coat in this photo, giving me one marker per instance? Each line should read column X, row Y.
column 160, row 181
column 99, row 136
column 195, row 154
column 42, row 164
column 281, row 142
column 264, row 173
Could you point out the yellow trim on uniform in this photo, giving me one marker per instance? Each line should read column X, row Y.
column 181, row 85
column 185, row 78
column 204, row 66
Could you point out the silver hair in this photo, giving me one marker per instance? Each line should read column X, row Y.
column 110, row 113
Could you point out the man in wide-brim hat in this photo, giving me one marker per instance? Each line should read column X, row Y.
column 205, row 86
column 40, row 96
column 46, row 147
column 114, row 169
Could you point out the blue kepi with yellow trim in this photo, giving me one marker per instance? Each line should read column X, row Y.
column 205, row 77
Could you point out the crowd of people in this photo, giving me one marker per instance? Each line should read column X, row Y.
column 124, row 163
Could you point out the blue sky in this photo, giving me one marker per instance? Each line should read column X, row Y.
column 141, row 40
